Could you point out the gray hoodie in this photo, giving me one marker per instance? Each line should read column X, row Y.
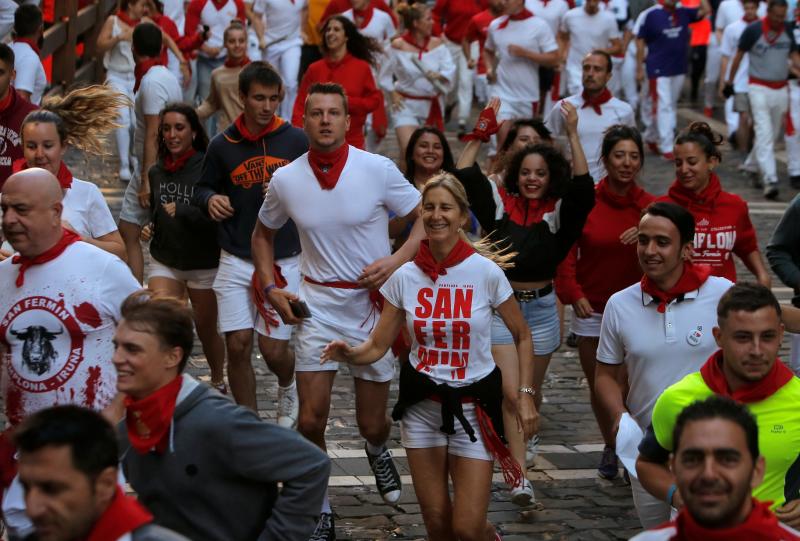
column 218, row 479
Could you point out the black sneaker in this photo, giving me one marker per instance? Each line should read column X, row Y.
column 572, row 340
column 325, row 530
column 794, row 180
column 771, row 191
column 386, row 477
column 609, row 465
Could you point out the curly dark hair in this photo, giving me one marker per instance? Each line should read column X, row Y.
column 557, row 166
column 200, row 141
column 701, row 134
column 358, row 44
column 447, row 155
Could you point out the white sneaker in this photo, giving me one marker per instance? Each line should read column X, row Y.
column 522, row 494
column 288, row 406
column 532, row 449
column 125, row 174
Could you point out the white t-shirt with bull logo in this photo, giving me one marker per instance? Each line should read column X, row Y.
column 57, row 330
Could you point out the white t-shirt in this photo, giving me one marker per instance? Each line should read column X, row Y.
column 86, row 210
column 518, row 78
column 30, row 72
column 730, row 11
column 217, row 21
column 728, row 47
column 552, row 12
column 587, row 32
column 283, row 17
column 658, row 349
column 449, row 321
column 592, row 127
column 158, row 88
column 341, row 230
column 380, row 28
column 409, row 79
column 58, row 327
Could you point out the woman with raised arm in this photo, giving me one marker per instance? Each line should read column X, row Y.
column 450, row 390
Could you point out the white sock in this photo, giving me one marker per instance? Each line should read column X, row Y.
column 292, row 385
column 375, row 450
column 326, row 504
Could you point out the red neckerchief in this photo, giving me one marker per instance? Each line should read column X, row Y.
column 521, row 16
column 123, row 516
column 751, row 19
column 334, row 65
column 523, row 211
column 364, row 14
column 33, row 45
column 173, row 164
column 688, row 199
column 274, row 124
column 123, row 16
column 242, row 62
column 544, row 2
column 597, row 100
column 260, row 300
column 692, row 278
column 142, row 67
column 673, row 12
column 748, row 393
column 410, row 40
column 432, row 268
column 766, row 28
column 64, row 175
column 148, row 419
column 327, row 166
column 25, row 262
column 760, row 525
column 635, row 197
column 219, row 4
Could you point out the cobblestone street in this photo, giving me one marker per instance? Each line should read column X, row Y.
column 572, row 502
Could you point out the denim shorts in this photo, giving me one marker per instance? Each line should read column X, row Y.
column 542, row 317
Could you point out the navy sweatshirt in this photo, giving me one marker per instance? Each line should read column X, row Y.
column 239, row 169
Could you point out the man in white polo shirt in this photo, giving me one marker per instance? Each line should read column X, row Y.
column 516, row 46
column 31, row 79
column 584, row 29
column 551, row 11
column 659, row 329
column 338, row 197
column 597, row 110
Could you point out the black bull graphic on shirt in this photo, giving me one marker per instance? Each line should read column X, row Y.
column 38, row 352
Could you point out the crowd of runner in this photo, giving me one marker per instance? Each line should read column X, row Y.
column 247, row 136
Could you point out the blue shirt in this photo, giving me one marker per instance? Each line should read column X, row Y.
column 667, row 43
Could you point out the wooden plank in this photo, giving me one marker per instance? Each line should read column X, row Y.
column 64, row 57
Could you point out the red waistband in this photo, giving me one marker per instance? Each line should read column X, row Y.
column 339, row 284
column 770, row 84
column 412, row 97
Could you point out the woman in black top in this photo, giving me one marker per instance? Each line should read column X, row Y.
column 539, row 214
column 183, row 240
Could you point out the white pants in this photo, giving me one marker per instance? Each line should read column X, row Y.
column 285, row 56
column 463, row 81
column 793, row 141
column 794, row 362
column 768, row 107
column 731, row 116
column 615, row 84
column 628, row 77
column 713, row 64
column 574, row 78
column 650, row 509
column 659, row 111
column 123, row 83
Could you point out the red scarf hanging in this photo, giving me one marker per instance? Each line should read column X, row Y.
column 544, row 2
column 521, row 16
column 748, row 393
column 5, row 103
column 328, row 166
column 750, row 19
column 526, row 212
column 240, row 63
column 173, row 164
column 123, row 516
column 25, row 262
column 766, row 28
column 635, row 197
column 692, row 278
column 364, row 15
column 596, row 100
column 142, row 67
column 260, row 300
column 148, row 419
column 273, row 125
column 408, row 38
column 432, row 268
column 123, row 16
column 689, row 199
column 33, row 45
column 219, row 4
column 760, row 525
column 64, row 175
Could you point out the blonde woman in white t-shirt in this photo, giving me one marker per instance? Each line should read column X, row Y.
column 446, row 298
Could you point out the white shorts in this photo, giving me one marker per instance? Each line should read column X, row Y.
column 313, row 335
column 513, row 110
column 413, row 113
column 233, row 288
column 589, row 326
column 194, row 279
column 419, row 429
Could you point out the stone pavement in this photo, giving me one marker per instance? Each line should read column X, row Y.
column 572, row 502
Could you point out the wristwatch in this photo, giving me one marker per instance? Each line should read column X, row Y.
column 527, row 390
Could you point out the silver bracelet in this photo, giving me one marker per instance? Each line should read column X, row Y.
column 527, row 390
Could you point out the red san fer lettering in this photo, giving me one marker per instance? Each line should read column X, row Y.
column 455, row 303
